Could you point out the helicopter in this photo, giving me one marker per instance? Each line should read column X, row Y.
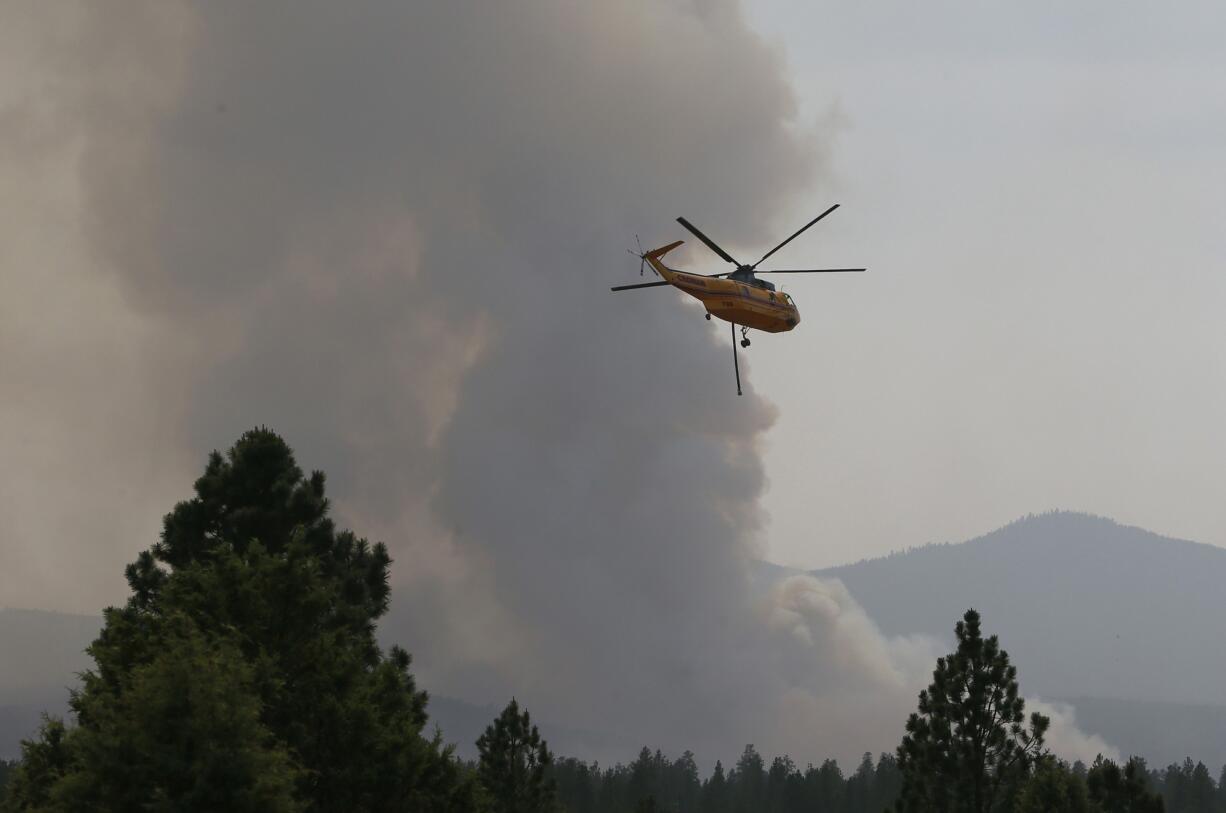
column 738, row 297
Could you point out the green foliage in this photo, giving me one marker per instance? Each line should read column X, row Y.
column 716, row 796
column 1121, row 791
column 1188, row 788
column 44, row 761
column 968, row 749
column 748, row 781
column 1053, row 787
column 515, row 763
column 181, row 732
column 245, row 663
column 648, row 805
column 675, row 786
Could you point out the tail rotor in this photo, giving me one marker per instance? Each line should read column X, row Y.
column 642, row 255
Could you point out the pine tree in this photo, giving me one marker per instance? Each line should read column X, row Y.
column 968, row 749
column 748, row 781
column 687, row 785
column 577, row 784
column 44, row 761
column 859, row 789
column 1121, row 791
column 1201, row 789
column 273, row 608
column 827, row 788
column 515, row 763
column 1053, row 787
column 181, row 732
column 715, row 795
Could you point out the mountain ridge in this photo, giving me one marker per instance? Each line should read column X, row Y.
column 1080, row 602
column 1137, row 602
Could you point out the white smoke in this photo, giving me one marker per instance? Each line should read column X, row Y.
column 849, row 678
column 1065, row 739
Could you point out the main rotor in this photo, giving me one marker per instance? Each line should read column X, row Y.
column 748, row 273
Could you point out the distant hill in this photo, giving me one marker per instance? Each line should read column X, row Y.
column 1123, row 624
column 1161, row 732
column 41, row 653
column 1086, row 607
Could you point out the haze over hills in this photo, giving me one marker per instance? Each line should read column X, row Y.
column 1121, row 623
column 1085, row 606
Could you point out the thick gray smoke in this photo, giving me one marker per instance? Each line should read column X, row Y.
column 388, row 231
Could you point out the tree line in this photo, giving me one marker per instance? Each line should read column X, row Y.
column 242, row 674
column 654, row 782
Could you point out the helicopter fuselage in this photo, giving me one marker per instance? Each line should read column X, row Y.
column 747, row 302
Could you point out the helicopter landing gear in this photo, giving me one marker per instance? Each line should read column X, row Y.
column 744, row 339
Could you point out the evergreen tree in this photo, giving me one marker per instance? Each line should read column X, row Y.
column 748, row 781
column 577, row 784
column 648, row 805
column 647, row 775
column 687, row 787
column 783, row 790
column 1053, row 787
column 826, row 786
column 1188, row 788
column 887, row 783
column 715, row 792
column 515, row 764
column 251, row 594
column 1121, row 791
column 967, row 750
column 44, row 761
column 181, row 732
column 859, row 789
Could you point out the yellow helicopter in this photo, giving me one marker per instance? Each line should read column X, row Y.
column 738, row 297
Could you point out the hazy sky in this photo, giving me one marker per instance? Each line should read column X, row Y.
column 389, row 233
column 1039, row 195
column 1039, row 191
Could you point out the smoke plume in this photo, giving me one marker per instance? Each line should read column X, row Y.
column 388, row 230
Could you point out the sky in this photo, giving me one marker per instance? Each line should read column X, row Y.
column 389, row 235
column 1038, row 191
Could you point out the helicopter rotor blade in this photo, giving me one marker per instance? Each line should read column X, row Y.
column 640, row 285
column 794, row 236
column 811, row 270
column 707, row 240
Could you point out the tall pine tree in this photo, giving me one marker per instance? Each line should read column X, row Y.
column 967, row 749
column 245, row 661
column 515, row 764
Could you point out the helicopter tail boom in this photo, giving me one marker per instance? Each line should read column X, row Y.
column 656, row 255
